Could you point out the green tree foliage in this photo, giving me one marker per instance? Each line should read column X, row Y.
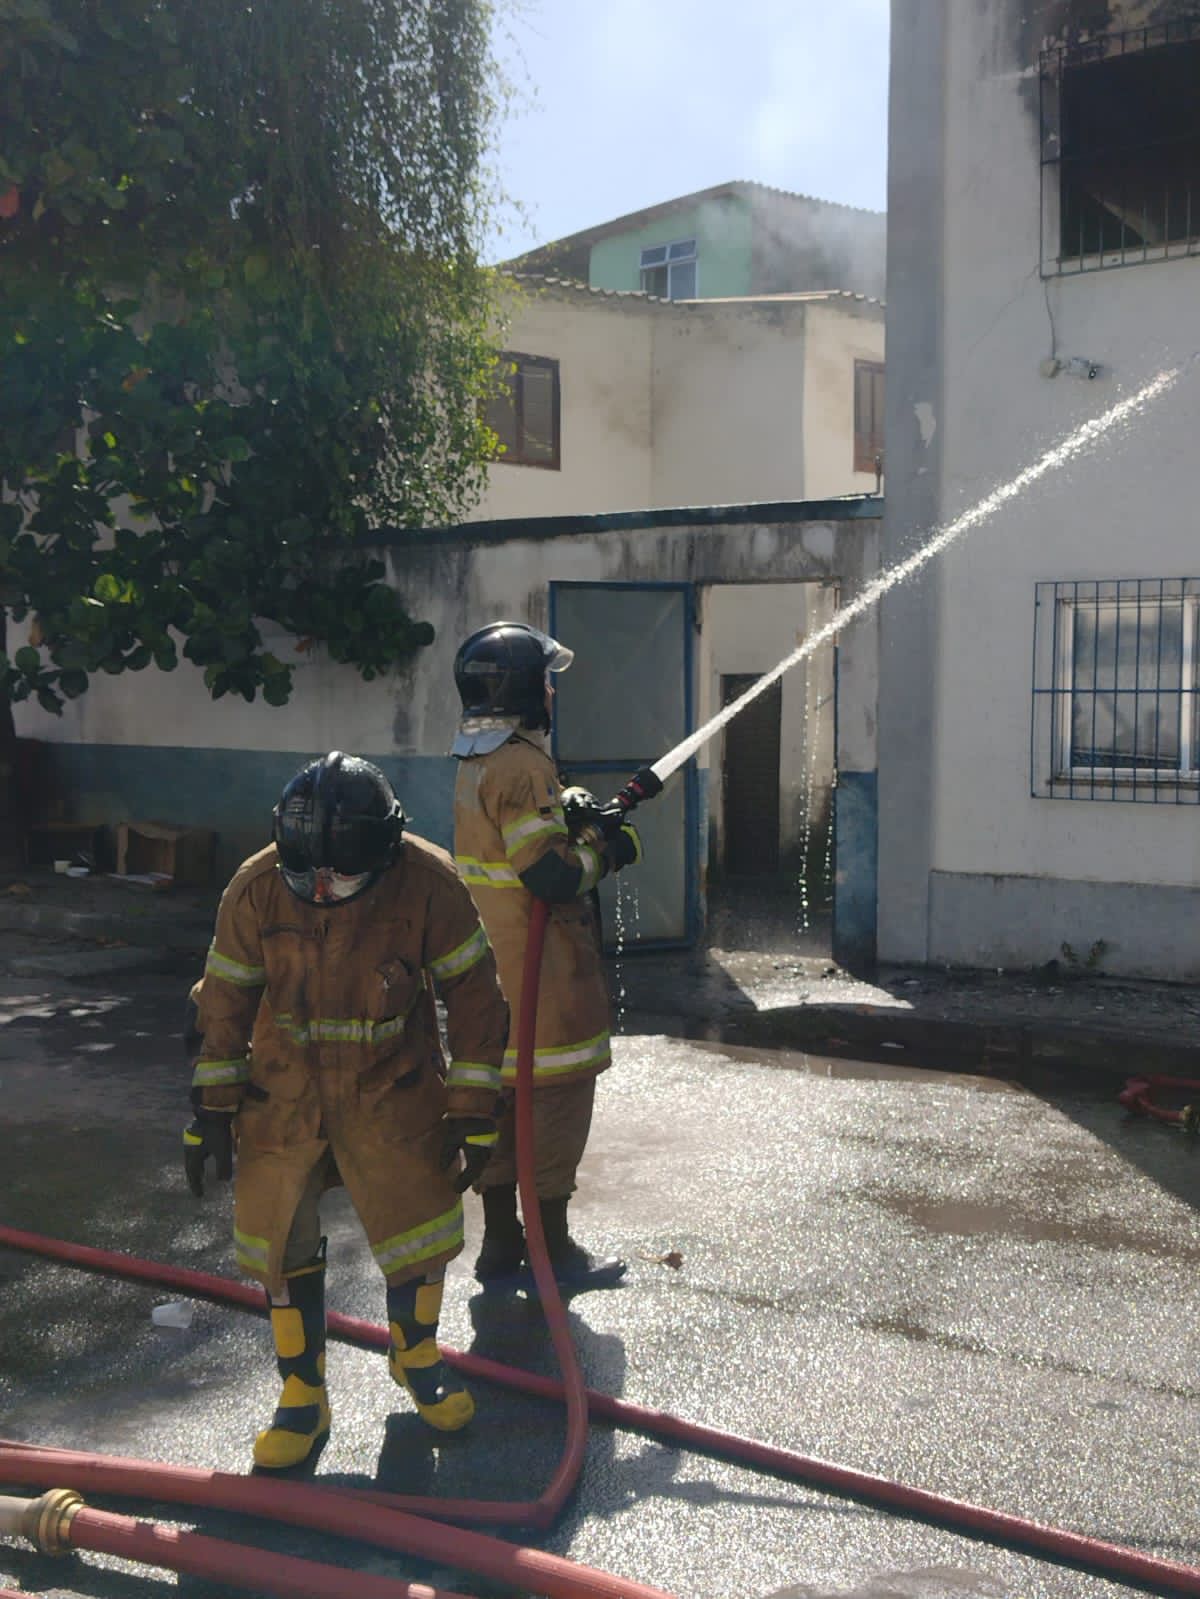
column 242, row 321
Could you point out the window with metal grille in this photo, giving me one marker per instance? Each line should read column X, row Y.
column 671, row 271
column 1115, row 690
column 868, row 416
column 524, row 411
column 1121, row 148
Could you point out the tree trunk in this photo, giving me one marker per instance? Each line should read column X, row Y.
column 12, row 828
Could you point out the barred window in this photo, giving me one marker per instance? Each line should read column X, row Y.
column 1121, row 148
column 1115, row 690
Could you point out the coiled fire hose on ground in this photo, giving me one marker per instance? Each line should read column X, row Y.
column 1138, row 1096
column 59, row 1522
column 387, row 1519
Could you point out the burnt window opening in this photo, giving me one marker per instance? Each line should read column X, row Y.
column 524, row 411
column 1121, row 148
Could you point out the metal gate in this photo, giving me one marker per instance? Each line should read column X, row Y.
column 626, row 700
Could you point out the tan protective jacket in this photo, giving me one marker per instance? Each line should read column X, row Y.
column 319, row 1027
column 507, row 814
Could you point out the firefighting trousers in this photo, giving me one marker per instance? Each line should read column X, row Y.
column 386, row 1150
column 304, row 1240
column 562, row 1118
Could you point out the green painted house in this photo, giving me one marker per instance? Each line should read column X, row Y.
column 734, row 240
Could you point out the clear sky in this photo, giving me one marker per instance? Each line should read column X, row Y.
column 619, row 104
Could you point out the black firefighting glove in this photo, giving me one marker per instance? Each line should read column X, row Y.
column 623, row 847
column 474, row 1137
column 210, row 1133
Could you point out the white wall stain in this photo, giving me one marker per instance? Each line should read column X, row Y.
column 926, row 421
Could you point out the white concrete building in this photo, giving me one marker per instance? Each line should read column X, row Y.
column 691, row 465
column 1039, row 757
column 663, row 608
column 621, row 402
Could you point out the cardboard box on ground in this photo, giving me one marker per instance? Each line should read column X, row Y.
column 159, row 852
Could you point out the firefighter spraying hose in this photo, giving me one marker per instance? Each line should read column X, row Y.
column 532, row 867
column 396, row 1523
column 599, row 839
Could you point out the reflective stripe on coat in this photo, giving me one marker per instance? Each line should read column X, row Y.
column 507, row 815
column 319, row 1028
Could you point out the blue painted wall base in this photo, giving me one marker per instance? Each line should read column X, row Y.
column 230, row 791
column 856, row 823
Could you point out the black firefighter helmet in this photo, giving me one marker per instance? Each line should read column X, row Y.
column 501, row 671
column 336, row 827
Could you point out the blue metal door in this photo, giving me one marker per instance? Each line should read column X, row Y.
column 626, row 700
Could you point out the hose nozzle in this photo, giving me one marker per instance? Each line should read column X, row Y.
column 641, row 786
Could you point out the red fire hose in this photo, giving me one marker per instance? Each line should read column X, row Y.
column 1164, row 1576
column 1138, row 1095
column 389, row 1515
column 386, row 1519
column 201, row 1556
column 60, row 1522
column 303, row 1504
column 546, row 1508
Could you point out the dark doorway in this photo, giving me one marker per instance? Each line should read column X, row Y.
column 751, row 780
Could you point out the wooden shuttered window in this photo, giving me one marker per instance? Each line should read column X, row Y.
column 868, row 415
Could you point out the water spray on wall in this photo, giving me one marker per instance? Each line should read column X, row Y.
column 648, row 782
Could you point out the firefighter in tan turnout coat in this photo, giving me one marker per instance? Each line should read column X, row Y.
column 512, row 845
column 319, row 1059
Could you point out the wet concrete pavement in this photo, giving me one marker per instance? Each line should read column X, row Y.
column 952, row 1280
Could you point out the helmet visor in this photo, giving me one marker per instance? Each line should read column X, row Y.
column 321, row 885
column 358, row 844
column 561, row 658
column 348, row 846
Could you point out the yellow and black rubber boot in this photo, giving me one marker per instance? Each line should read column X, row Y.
column 298, row 1326
column 415, row 1361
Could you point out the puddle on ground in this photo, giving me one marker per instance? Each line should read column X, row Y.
column 858, row 1070
column 928, row 1582
column 977, row 1218
column 904, row 1327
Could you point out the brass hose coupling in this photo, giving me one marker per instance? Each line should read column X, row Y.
column 45, row 1522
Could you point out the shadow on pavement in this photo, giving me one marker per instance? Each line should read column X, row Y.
column 49, row 1576
column 1164, row 1154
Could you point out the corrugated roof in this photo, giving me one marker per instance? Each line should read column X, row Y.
column 573, row 286
column 663, row 207
column 789, row 294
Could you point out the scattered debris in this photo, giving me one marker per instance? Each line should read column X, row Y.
column 159, row 881
column 178, row 1313
column 672, row 1258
